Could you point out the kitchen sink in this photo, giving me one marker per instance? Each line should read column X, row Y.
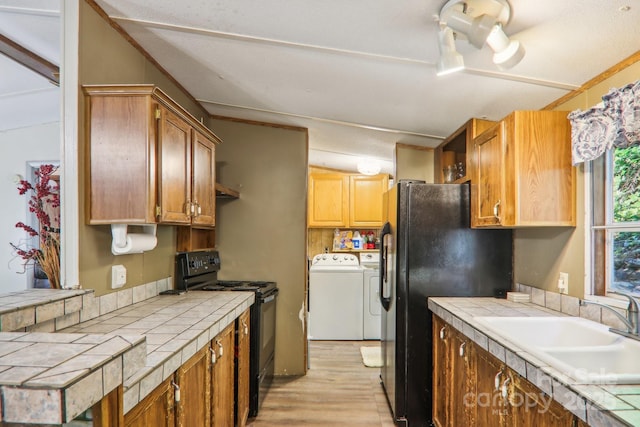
column 616, row 363
column 584, row 350
column 550, row 331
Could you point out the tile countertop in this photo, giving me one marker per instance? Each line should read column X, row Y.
column 598, row 405
column 175, row 328
column 51, row 378
column 26, row 308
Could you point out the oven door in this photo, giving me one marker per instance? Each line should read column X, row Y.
column 267, row 329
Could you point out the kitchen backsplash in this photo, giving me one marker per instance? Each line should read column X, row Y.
column 319, row 239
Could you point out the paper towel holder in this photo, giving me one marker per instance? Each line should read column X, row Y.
column 119, row 236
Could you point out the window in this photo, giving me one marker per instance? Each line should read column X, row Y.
column 615, row 235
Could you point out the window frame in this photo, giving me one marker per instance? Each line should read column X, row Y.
column 599, row 219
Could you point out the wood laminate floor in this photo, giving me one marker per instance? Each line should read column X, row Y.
column 338, row 390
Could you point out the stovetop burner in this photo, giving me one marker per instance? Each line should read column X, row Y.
column 230, row 283
column 198, row 270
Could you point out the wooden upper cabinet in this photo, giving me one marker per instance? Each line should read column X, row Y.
column 458, row 147
column 203, row 155
column 174, row 168
column 148, row 160
column 346, row 200
column 365, row 200
column 523, row 175
column 328, row 196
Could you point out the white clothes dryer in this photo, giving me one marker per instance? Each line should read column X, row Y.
column 372, row 314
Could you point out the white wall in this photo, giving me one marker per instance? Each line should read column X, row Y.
column 20, row 146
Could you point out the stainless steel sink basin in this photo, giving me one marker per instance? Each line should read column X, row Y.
column 584, row 350
column 550, row 331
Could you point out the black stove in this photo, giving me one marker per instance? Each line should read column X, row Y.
column 199, row 271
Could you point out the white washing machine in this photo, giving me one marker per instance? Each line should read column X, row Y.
column 335, row 297
column 372, row 314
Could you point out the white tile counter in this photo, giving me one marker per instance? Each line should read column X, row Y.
column 50, row 378
column 67, row 372
column 26, row 308
column 598, row 405
column 175, row 328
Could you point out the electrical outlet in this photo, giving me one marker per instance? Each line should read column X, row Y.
column 118, row 276
column 563, row 283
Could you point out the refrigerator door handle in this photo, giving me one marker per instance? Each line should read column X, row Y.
column 384, row 297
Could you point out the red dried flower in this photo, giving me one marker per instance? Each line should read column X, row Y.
column 43, row 201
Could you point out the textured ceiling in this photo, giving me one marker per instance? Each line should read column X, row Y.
column 361, row 74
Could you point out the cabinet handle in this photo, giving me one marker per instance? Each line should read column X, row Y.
column 196, row 209
column 461, row 349
column 176, row 395
column 442, row 333
column 497, row 380
column 220, row 348
column 244, row 325
column 188, row 207
column 496, row 209
column 505, row 389
column 213, row 356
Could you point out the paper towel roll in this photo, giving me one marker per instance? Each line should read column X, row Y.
column 135, row 243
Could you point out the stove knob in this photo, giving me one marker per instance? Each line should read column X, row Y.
column 335, row 257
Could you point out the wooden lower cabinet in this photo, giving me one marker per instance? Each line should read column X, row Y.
column 490, row 406
column 194, row 380
column 201, row 392
column 529, row 406
column 242, row 368
column 222, row 379
column 453, row 376
column 157, row 409
column 441, row 376
column 474, row 388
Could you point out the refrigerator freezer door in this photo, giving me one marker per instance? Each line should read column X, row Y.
column 435, row 253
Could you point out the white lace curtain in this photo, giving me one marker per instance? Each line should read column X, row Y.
column 615, row 122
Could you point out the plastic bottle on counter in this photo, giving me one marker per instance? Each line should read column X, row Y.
column 336, row 239
column 356, row 240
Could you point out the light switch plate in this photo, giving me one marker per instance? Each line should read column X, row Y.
column 118, row 276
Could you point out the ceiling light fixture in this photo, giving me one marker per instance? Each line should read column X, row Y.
column 480, row 22
column 450, row 60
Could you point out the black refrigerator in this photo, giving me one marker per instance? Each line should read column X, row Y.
column 428, row 249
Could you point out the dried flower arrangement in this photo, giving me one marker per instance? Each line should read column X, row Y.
column 44, row 202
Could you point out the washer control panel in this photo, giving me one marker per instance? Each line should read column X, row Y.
column 335, row 259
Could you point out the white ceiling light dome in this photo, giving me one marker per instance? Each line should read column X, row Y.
column 369, row 167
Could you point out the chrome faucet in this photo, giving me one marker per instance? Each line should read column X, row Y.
column 632, row 321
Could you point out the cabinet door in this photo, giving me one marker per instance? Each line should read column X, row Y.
column 490, row 407
column 193, row 378
column 242, row 369
column 204, row 180
column 441, row 374
column 121, row 159
column 174, row 168
column 462, row 380
column 487, row 195
column 328, row 200
column 530, row 407
column 157, row 409
column 223, row 378
column 365, row 200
